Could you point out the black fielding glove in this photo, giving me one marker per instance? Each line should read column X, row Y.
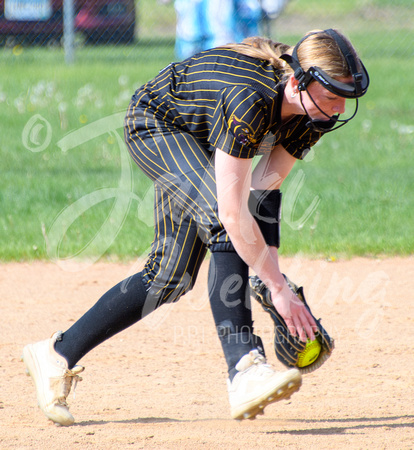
column 287, row 347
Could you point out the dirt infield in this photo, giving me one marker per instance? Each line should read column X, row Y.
column 161, row 383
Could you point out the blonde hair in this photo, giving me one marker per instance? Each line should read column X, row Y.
column 318, row 49
column 261, row 48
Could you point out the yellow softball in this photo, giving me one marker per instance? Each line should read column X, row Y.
column 309, row 355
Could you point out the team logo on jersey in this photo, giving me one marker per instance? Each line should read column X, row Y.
column 242, row 131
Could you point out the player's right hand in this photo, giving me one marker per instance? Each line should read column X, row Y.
column 297, row 317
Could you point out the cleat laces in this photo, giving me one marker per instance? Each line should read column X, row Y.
column 61, row 386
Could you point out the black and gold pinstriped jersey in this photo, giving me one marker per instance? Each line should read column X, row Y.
column 227, row 101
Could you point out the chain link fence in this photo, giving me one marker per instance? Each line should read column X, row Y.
column 76, row 25
column 46, row 22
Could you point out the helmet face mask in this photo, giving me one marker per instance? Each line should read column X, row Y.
column 357, row 88
column 331, row 123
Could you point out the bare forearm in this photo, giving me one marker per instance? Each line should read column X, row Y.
column 234, row 180
column 251, row 247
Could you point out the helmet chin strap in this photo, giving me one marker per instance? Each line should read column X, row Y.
column 324, row 126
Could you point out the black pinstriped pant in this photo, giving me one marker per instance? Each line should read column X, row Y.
column 186, row 225
column 186, row 218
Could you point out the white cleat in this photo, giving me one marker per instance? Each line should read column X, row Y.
column 257, row 385
column 52, row 378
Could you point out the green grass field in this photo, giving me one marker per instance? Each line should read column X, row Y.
column 352, row 196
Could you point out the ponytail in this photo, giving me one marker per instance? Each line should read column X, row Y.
column 261, row 48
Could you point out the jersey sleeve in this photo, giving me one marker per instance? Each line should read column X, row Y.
column 300, row 139
column 238, row 122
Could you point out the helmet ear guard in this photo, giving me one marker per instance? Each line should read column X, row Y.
column 355, row 89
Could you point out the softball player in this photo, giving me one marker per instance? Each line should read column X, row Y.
column 194, row 130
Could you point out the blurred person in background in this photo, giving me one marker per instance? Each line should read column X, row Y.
column 204, row 24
